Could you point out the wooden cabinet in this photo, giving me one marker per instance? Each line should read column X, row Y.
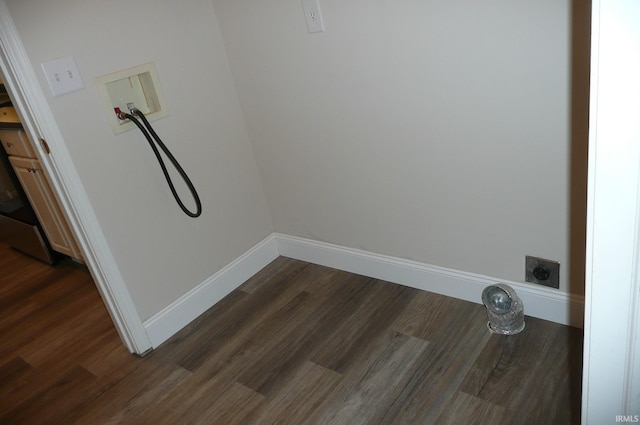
column 8, row 113
column 24, row 160
column 45, row 205
column 16, row 143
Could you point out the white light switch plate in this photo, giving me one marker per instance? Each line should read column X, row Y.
column 62, row 75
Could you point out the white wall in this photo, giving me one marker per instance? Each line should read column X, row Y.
column 161, row 252
column 438, row 131
column 442, row 132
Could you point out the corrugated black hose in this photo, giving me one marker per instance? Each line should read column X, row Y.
column 148, row 134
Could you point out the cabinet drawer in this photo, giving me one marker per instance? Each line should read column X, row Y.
column 8, row 114
column 16, row 143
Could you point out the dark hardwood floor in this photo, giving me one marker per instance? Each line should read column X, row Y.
column 296, row 344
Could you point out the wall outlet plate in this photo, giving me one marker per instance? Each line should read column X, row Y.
column 313, row 15
column 542, row 271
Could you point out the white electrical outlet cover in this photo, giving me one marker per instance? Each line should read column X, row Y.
column 313, row 15
column 63, row 76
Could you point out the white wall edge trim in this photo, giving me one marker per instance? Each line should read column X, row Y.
column 185, row 309
column 611, row 366
column 541, row 302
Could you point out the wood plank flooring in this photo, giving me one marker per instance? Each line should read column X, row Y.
column 296, row 344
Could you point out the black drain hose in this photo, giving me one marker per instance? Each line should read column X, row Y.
column 174, row 161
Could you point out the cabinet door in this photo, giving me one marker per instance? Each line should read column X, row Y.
column 44, row 203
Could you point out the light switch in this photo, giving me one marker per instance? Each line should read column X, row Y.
column 62, row 75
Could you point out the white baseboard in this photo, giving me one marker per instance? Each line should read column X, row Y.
column 539, row 301
column 195, row 302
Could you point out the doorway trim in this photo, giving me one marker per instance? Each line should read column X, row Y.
column 612, row 288
column 39, row 122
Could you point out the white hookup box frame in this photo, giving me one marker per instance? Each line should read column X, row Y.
column 139, row 85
